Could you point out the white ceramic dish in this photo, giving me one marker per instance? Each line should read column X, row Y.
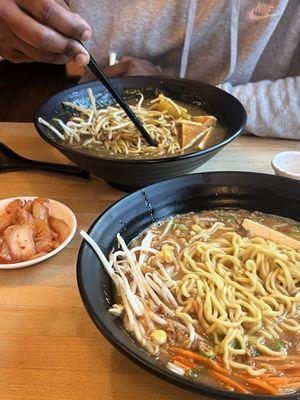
column 287, row 164
column 57, row 210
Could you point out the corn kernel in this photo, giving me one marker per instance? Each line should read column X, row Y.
column 159, row 337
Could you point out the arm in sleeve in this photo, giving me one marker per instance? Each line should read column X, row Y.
column 273, row 107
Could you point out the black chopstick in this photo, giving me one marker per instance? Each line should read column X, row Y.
column 97, row 71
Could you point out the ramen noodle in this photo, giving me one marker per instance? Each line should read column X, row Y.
column 107, row 131
column 213, row 301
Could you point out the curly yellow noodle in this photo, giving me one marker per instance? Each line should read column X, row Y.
column 241, row 285
column 242, row 293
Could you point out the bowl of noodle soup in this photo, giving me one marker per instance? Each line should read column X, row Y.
column 190, row 121
column 196, row 279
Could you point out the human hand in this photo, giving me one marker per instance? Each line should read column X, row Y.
column 42, row 30
column 131, row 66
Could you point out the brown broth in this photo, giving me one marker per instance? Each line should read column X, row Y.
column 183, row 228
column 216, row 135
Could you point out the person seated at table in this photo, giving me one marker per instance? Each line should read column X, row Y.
column 250, row 48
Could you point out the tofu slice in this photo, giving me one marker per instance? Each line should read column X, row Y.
column 189, row 133
column 206, row 120
column 256, row 229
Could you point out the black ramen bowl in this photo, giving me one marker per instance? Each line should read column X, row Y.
column 137, row 211
column 128, row 174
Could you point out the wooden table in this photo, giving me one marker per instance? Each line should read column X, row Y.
column 49, row 348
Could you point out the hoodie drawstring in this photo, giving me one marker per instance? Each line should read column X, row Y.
column 234, row 33
column 234, row 29
column 188, row 37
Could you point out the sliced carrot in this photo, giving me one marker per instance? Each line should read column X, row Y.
column 201, row 359
column 290, row 377
column 259, row 383
column 229, row 382
column 269, row 358
column 292, row 386
column 292, row 374
column 293, row 358
column 263, row 385
column 295, row 379
column 188, row 363
column 287, row 367
column 181, row 365
column 278, row 380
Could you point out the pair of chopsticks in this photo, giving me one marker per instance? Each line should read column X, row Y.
column 97, row 71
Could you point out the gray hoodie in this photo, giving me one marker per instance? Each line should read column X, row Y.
column 250, row 48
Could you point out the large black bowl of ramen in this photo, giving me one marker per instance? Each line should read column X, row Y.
column 136, row 212
column 128, row 173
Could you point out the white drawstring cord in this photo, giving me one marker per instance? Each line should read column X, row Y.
column 112, row 59
column 188, row 37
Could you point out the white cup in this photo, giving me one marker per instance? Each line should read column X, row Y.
column 287, row 164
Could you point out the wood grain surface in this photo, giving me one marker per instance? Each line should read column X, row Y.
column 49, row 348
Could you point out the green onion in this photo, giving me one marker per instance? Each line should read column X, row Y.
column 255, row 352
column 278, row 345
column 208, row 354
column 180, row 227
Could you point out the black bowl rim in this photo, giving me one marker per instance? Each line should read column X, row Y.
column 208, row 150
column 163, row 373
